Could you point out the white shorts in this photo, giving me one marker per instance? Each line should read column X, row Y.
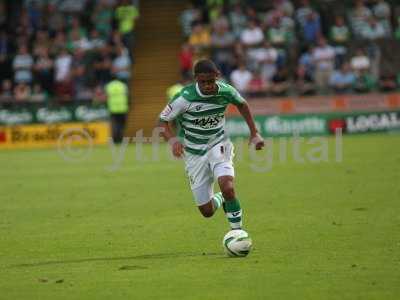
column 202, row 170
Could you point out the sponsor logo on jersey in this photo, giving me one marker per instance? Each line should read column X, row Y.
column 209, row 121
column 198, row 107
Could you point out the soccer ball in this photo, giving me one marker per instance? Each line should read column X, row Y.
column 237, row 243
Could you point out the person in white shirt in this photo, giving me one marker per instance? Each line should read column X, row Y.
column 240, row 78
column 323, row 57
column 252, row 35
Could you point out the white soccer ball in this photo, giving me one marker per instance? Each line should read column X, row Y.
column 237, row 243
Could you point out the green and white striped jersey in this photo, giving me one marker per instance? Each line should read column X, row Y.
column 202, row 117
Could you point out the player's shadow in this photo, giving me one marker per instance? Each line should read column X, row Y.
column 119, row 258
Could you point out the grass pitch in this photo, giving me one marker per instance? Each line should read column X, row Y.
column 327, row 230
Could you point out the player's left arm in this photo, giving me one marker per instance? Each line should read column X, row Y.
column 255, row 138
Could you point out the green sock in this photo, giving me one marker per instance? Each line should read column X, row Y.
column 217, row 200
column 233, row 213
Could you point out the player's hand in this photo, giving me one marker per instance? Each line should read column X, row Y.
column 257, row 141
column 177, row 148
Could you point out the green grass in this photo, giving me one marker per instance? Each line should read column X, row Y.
column 320, row 231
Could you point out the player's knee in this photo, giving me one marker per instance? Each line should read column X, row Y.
column 228, row 193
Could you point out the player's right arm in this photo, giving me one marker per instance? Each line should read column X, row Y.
column 170, row 113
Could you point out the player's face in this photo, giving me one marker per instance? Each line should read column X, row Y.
column 207, row 83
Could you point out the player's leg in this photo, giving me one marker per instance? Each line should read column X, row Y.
column 231, row 203
column 201, row 183
column 222, row 165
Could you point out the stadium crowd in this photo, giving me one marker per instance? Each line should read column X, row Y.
column 65, row 50
column 284, row 47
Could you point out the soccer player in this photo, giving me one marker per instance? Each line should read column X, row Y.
column 206, row 149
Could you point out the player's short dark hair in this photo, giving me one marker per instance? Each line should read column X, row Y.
column 205, row 66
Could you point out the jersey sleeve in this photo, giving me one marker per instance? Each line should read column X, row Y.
column 235, row 97
column 173, row 109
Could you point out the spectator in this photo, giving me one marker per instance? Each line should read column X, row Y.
column 99, row 95
column 277, row 34
column 186, row 60
column 339, row 35
column 382, row 12
column 95, row 41
column 303, row 11
column 306, row 61
column 188, row 17
column 342, row 80
column 372, row 30
column 22, row 92
column 257, row 86
column 265, row 58
column 6, row 94
column 121, row 65
column 387, row 82
column 311, row 28
column 252, row 36
column 222, row 41
column 304, row 82
column 22, row 66
column 38, row 95
column 126, row 14
column 55, row 19
column 324, row 59
column 62, row 74
column 360, row 63
column 43, row 69
column 59, row 43
column 280, row 83
column 200, row 40
column 77, row 41
column 240, row 78
column 102, row 65
column 102, row 19
column 237, row 19
column 6, row 48
column 79, row 76
column 358, row 17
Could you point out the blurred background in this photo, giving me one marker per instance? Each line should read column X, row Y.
column 90, row 61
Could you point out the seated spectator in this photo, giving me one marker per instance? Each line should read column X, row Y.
column 62, row 76
column 55, row 19
column 22, row 92
column 99, row 95
column 304, row 82
column 382, row 12
column 238, row 20
column 252, row 35
column 59, row 42
column 342, row 80
column 222, row 41
column 257, row 85
column 38, row 94
column 277, row 34
column 280, row 83
column 339, row 36
column 43, row 69
column 121, row 65
column 102, row 65
column 6, row 92
column 306, row 61
column 240, row 78
column 186, row 60
column 360, row 62
column 387, row 82
column 365, row 82
column 79, row 76
column 359, row 16
column 200, row 40
column 95, row 40
column 372, row 30
column 77, row 41
column 22, row 65
column 189, row 16
column 324, row 59
column 102, row 19
column 265, row 59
